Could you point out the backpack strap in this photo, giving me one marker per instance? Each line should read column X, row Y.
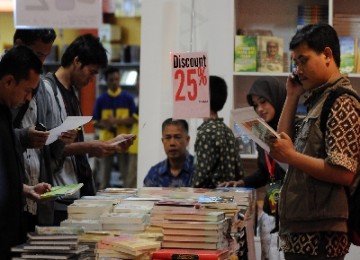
column 49, row 77
column 333, row 95
column 20, row 115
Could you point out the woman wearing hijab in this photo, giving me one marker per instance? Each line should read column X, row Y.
column 267, row 96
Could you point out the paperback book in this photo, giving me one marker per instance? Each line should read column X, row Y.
column 270, row 54
column 245, row 53
column 348, row 52
column 62, row 191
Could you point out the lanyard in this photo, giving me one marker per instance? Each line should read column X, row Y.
column 271, row 164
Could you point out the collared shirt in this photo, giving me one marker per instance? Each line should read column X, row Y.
column 160, row 175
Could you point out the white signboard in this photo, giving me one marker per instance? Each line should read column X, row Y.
column 190, row 78
column 82, row 14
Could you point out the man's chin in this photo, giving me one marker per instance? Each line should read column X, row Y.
column 173, row 155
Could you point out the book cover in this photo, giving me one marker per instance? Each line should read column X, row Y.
column 62, row 191
column 245, row 53
column 190, row 254
column 270, row 52
column 347, row 54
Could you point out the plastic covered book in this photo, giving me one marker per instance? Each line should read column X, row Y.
column 62, row 191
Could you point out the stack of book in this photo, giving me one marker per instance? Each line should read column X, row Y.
column 87, row 214
column 126, row 246
column 132, row 208
column 129, row 222
column 91, row 238
column 196, row 229
column 164, row 207
column 53, row 243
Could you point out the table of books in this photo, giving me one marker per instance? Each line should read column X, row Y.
column 151, row 223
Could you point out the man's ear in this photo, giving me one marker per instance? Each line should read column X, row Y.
column 77, row 61
column 8, row 80
column 328, row 52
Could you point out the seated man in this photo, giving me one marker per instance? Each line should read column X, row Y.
column 177, row 169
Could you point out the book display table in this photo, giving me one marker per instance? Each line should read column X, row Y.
column 163, row 223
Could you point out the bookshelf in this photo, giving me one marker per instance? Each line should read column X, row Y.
column 281, row 18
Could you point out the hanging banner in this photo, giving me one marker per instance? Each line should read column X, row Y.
column 81, row 14
column 190, row 79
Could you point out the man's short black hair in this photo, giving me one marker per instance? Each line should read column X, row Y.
column 178, row 122
column 29, row 36
column 18, row 61
column 318, row 37
column 110, row 70
column 218, row 93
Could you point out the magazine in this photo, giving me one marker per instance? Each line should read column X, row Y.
column 254, row 126
column 257, row 129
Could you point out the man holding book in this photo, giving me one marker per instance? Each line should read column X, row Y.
column 20, row 71
column 313, row 206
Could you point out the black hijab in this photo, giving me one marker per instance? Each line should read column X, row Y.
column 273, row 91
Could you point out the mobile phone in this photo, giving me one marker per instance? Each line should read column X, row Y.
column 40, row 127
column 296, row 79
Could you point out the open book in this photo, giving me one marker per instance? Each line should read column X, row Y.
column 257, row 129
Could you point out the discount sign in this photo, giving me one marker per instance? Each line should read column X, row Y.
column 190, row 78
column 58, row 13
